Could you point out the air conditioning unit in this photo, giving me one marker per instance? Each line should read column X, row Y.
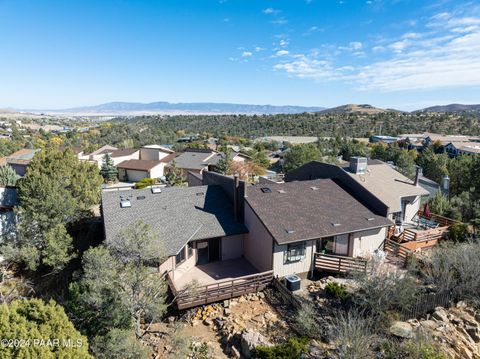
column 293, row 282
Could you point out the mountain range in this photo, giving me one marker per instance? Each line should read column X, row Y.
column 168, row 108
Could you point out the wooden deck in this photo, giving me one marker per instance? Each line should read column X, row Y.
column 418, row 238
column 192, row 296
column 338, row 264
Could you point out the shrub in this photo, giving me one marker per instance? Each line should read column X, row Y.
column 294, row 348
column 119, row 344
column 458, row 232
column 35, row 319
column 420, row 347
column 336, row 290
column 145, row 182
column 352, row 332
column 305, row 321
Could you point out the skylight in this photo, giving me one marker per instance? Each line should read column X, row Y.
column 125, row 203
column 156, row 190
column 336, row 224
column 314, row 188
column 289, row 230
column 281, row 191
column 266, row 190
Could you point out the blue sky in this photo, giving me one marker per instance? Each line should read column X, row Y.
column 404, row 54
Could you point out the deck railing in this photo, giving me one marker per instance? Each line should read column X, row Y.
column 338, row 264
column 397, row 250
column 193, row 295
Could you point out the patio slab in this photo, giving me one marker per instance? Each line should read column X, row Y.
column 216, row 271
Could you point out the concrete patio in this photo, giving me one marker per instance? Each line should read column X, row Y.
column 213, row 272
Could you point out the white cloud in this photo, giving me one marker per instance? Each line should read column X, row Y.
column 269, row 10
column 283, row 43
column 282, row 53
column 445, row 54
column 247, row 54
column 258, row 49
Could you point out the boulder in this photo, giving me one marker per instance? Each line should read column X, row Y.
column 402, row 330
column 250, row 340
column 440, row 314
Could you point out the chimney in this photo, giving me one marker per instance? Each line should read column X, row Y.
column 236, row 186
column 446, row 185
column 418, row 173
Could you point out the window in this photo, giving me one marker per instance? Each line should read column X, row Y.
column 295, row 252
column 190, row 249
column 325, row 245
column 180, row 257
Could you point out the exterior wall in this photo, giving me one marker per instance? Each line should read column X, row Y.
column 194, row 179
column 366, row 242
column 232, row 247
column 169, row 264
column 134, row 175
column 19, row 169
column 258, row 243
column 157, row 171
column 411, row 208
column 152, row 154
column 118, row 160
column 283, row 268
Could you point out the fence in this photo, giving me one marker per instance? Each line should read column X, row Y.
column 399, row 251
column 287, row 295
column 220, row 290
column 339, row 264
column 426, row 304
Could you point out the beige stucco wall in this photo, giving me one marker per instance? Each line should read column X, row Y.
column 258, row 243
column 283, row 268
column 157, row 171
column 232, row 247
column 177, row 272
column 366, row 242
column 152, row 154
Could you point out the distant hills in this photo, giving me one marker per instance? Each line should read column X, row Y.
column 135, row 108
column 454, row 107
column 211, row 108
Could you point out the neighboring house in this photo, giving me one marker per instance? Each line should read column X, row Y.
column 383, row 139
column 239, row 157
column 154, row 152
column 196, row 160
column 136, row 170
column 455, row 149
column 8, row 200
column 375, row 181
column 19, row 160
column 118, row 156
column 97, row 156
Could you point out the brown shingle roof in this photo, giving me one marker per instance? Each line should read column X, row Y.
column 141, row 165
column 123, row 152
column 296, row 211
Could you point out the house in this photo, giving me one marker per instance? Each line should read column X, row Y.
column 19, row 160
column 196, row 160
column 118, row 156
column 97, row 156
column 230, row 238
column 455, row 149
column 373, row 180
column 154, row 152
column 288, row 223
column 135, row 170
column 383, row 139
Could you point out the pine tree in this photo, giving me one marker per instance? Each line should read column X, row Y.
column 108, row 171
column 8, row 176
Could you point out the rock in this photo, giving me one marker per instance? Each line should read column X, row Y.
column 250, row 340
column 429, row 324
column 402, row 330
column 226, row 303
column 473, row 333
column 261, row 295
column 207, row 322
column 171, row 319
column 440, row 314
column 461, row 305
column 235, row 353
column 227, row 312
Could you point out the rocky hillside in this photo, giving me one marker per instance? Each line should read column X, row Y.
column 452, row 108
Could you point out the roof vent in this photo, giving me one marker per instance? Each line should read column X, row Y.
column 336, row 224
column 289, row 231
column 358, row 164
column 156, row 190
column 370, row 219
column 140, row 197
column 314, row 188
column 281, row 191
column 200, row 193
column 266, row 190
column 125, row 203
